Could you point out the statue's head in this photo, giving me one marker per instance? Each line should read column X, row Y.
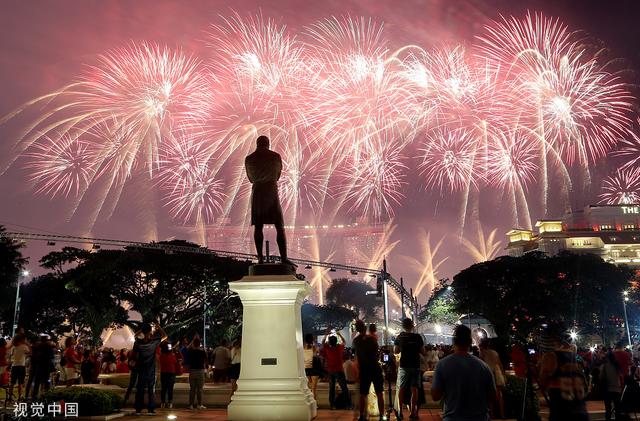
column 262, row 142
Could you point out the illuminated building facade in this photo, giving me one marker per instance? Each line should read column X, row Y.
column 609, row 231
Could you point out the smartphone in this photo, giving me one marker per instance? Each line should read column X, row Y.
column 169, row 347
column 532, row 351
column 385, row 358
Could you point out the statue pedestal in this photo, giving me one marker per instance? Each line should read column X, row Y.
column 272, row 383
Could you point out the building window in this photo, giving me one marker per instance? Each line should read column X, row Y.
column 628, row 227
column 606, row 227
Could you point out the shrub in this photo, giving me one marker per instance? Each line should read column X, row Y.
column 90, row 401
column 513, row 393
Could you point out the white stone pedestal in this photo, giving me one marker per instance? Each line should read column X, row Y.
column 272, row 383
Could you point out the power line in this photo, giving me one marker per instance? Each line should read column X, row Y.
column 96, row 243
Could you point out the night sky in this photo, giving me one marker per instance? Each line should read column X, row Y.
column 45, row 44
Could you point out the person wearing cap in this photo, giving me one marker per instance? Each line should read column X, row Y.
column 463, row 381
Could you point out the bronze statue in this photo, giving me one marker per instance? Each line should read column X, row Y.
column 263, row 169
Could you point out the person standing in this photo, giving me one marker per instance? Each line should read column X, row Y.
column 42, row 365
column 611, row 380
column 86, row 367
column 332, row 351
column 431, row 357
column 145, row 352
column 221, row 359
column 309, row 368
column 71, row 360
column 369, row 368
column 562, row 377
column 168, row 363
column 133, row 371
column 197, row 370
column 350, row 369
column 463, row 381
column 122, row 367
column 492, row 359
column 19, row 352
column 410, row 346
column 234, row 369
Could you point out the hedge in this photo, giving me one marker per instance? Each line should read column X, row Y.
column 513, row 394
column 90, row 401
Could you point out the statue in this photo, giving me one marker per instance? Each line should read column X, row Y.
column 263, row 170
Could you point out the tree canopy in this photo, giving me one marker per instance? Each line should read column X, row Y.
column 441, row 307
column 86, row 292
column 316, row 319
column 517, row 294
column 353, row 294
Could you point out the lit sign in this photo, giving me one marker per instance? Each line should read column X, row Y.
column 631, row 209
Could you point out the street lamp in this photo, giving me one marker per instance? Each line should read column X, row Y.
column 625, row 298
column 438, row 330
column 16, row 311
column 573, row 335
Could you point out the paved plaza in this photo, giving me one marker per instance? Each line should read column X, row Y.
column 596, row 412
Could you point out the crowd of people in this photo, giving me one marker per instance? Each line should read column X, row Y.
column 29, row 367
column 470, row 380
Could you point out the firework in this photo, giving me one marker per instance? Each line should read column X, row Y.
column 623, row 187
column 629, row 149
column 359, row 95
column 61, row 167
column 581, row 107
column 511, row 158
column 427, row 267
column 376, row 184
column 448, row 159
column 487, row 247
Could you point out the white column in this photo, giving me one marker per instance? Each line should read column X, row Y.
column 272, row 383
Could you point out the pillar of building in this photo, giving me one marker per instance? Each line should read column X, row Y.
column 272, row 383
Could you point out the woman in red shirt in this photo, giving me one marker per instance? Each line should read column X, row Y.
column 168, row 363
column 72, row 359
column 123, row 365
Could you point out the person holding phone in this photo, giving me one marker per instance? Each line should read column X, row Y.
column 333, row 351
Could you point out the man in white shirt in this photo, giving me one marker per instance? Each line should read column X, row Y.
column 18, row 360
column 221, row 361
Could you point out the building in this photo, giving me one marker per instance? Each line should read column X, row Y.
column 609, row 231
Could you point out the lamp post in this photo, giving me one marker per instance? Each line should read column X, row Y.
column 16, row 311
column 625, row 298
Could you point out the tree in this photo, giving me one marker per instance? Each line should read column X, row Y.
column 71, row 298
column 92, row 291
column 11, row 264
column 353, row 294
column 441, row 307
column 316, row 319
column 517, row 294
column 60, row 261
